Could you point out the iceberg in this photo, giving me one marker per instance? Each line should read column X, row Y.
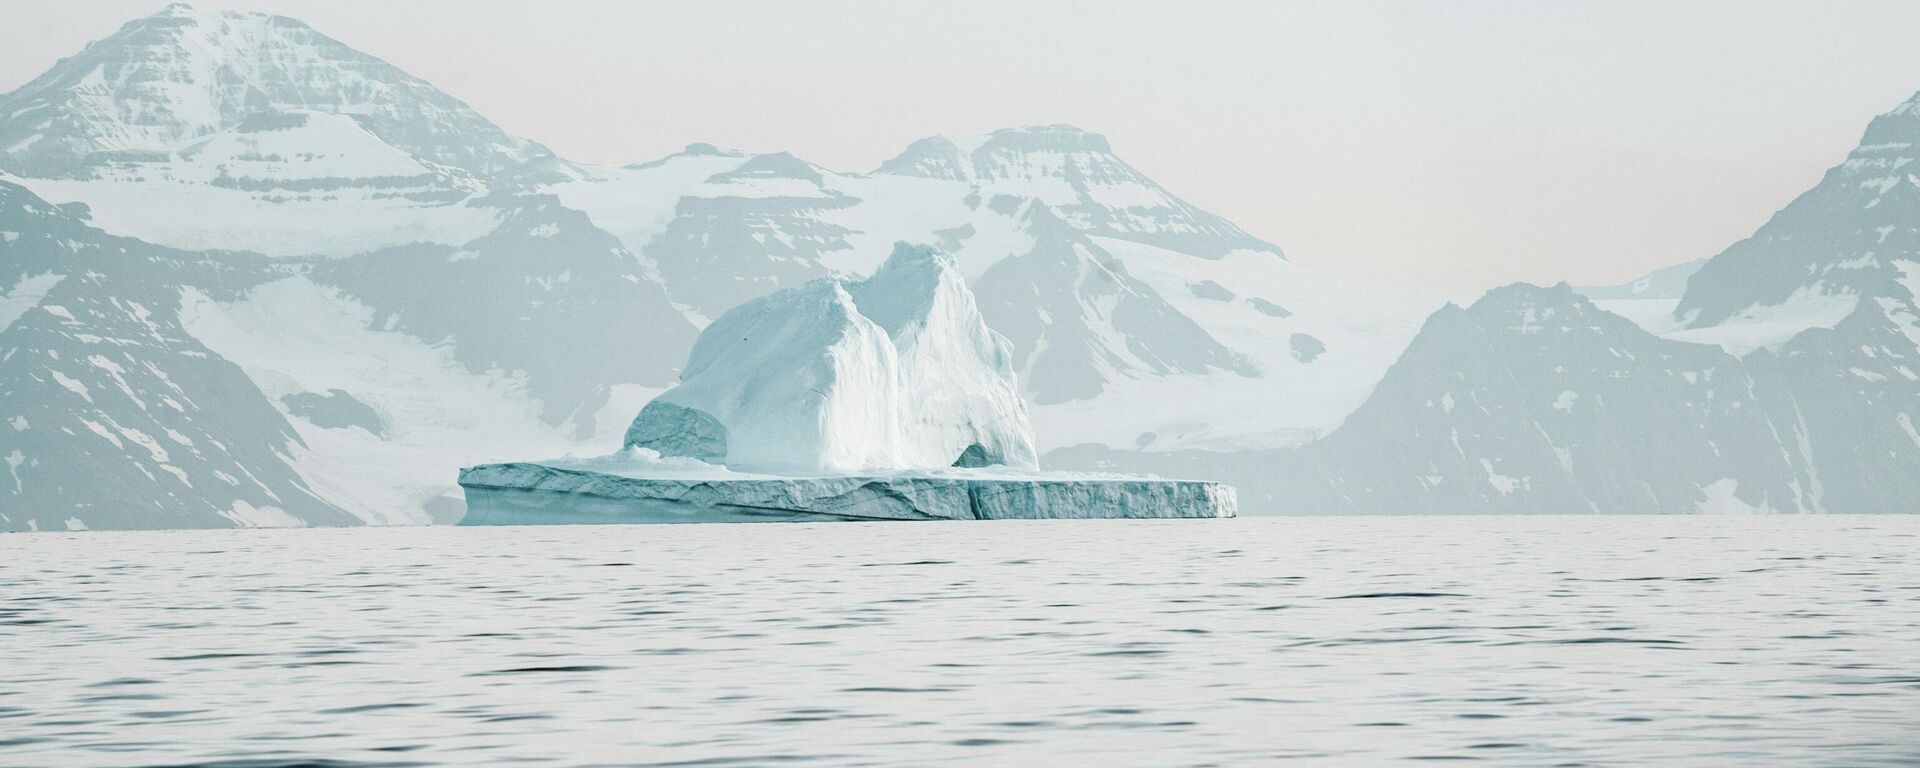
column 885, row 398
column 898, row 371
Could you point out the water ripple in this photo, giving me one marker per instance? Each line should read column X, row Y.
column 1501, row 641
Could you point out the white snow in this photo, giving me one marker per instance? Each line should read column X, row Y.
column 1365, row 328
column 14, row 459
column 635, row 204
column 1906, row 425
column 1718, row 499
column 1565, row 401
column 249, row 516
column 1502, row 483
column 1654, row 316
column 1769, row 326
column 23, row 295
column 194, row 216
column 322, row 147
column 73, row 385
column 294, row 336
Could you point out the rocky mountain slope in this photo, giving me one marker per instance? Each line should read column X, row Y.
column 114, row 416
column 1786, row 378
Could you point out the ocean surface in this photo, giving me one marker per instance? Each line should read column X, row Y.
column 1505, row 641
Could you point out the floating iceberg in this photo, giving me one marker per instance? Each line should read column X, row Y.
column 879, row 399
column 897, row 371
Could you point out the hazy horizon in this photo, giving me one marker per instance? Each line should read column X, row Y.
column 1438, row 148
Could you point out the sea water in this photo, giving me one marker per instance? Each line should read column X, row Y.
column 1509, row 641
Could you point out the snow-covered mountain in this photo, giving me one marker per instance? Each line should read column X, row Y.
column 422, row 290
column 225, row 130
column 1786, row 380
column 167, row 87
column 339, row 284
column 1832, row 246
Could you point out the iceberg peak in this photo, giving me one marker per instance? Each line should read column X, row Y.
column 895, row 372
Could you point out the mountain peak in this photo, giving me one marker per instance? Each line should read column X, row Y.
column 164, row 81
column 1843, row 236
column 956, row 157
column 186, row 10
column 1058, row 136
column 775, row 165
column 1075, row 172
column 1908, row 107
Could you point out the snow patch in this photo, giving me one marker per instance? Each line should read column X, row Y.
column 1906, row 424
column 247, row 515
column 73, row 385
column 14, row 460
column 1769, row 326
column 24, row 295
column 1502, row 483
column 1718, row 498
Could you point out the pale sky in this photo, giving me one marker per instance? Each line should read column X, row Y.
column 1447, row 146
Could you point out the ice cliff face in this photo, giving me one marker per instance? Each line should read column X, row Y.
column 542, row 494
column 897, row 371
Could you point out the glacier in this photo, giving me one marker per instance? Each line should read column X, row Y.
column 886, row 398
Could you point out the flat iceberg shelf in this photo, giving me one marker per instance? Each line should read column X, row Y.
column 524, row 493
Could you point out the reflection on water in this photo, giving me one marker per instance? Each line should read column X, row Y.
column 1518, row 641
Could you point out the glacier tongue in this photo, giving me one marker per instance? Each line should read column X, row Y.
column 898, row 371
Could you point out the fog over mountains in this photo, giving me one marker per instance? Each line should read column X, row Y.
column 251, row 276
